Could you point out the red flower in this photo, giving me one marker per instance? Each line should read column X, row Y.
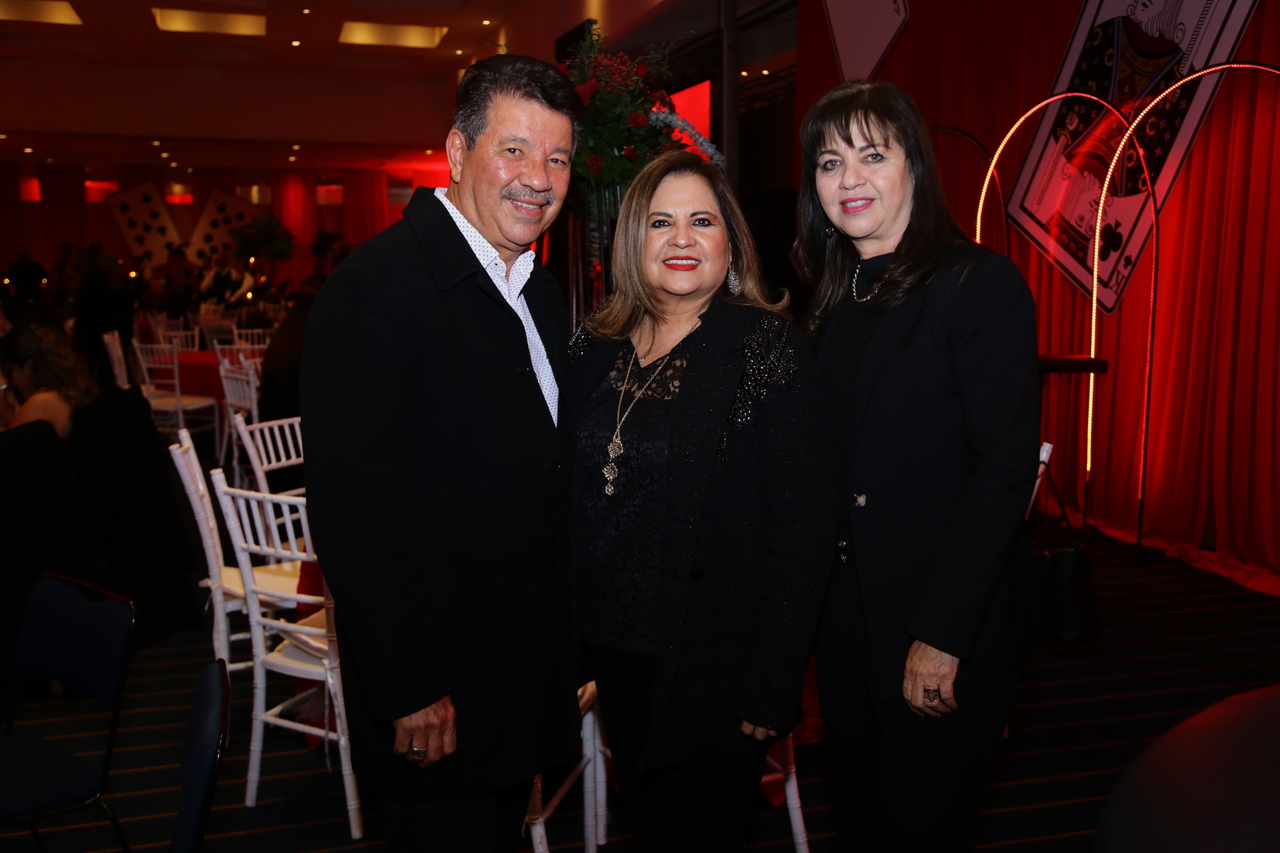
column 564, row 67
column 630, row 153
column 662, row 99
column 595, row 165
column 588, row 90
column 642, row 70
column 638, row 120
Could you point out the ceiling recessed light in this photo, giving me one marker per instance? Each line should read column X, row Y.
column 458, row 52
column 226, row 23
column 486, row 23
column 173, row 165
column 26, row 150
column 39, row 11
column 765, row 72
column 4, row 136
column 164, row 154
column 295, row 43
column 431, row 151
column 48, row 159
column 391, row 35
column 292, row 158
column 189, row 170
column 744, row 74
column 306, row 11
column 155, row 142
column 296, row 147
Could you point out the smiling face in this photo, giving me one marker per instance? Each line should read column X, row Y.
column 865, row 189
column 686, row 249
column 511, row 185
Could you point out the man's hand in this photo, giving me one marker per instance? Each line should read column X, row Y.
column 930, row 669
column 586, row 697
column 431, row 729
column 757, row 732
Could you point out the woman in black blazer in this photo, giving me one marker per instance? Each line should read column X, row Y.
column 702, row 509
column 927, row 349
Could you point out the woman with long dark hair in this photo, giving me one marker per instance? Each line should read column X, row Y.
column 927, row 348
column 702, row 509
column 44, row 377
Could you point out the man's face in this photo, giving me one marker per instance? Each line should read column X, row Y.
column 512, row 184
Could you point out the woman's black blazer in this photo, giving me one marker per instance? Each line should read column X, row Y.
column 750, row 531
column 939, row 471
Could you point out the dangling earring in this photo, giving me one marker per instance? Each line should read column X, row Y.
column 830, row 231
column 735, row 284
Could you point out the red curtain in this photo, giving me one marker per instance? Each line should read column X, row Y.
column 63, row 207
column 1213, row 469
column 364, row 204
column 293, row 196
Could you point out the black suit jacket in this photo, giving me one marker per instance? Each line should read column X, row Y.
column 940, row 469
column 750, row 531
column 436, row 487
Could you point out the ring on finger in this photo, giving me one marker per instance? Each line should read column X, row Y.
column 931, row 694
column 417, row 753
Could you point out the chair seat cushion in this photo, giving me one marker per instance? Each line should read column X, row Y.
column 36, row 775
column 169, row 402
column 279, row 577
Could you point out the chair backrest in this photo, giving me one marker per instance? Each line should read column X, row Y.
column 161, row 322
column 271, row 445
column 187, row 340
column 234, row 355
column 253, row 337
column 254, row 364
column 211, row 309
column 188, row 465
column 218, row 329
column 272, row 526
column 240, row 388
column 160, row 373
column 111, row 340
column 208, row 730
column 82, row 637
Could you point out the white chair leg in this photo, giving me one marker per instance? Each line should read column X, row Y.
column 255, row 739
column 792, row 787
column 590, row 751
column 221, row 630
column 344, row 753
column 534, row 819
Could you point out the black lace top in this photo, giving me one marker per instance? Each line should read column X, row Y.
column 622, row 532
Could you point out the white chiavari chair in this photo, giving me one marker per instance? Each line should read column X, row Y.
column 162, row 384
column 240, row 399
column 115, row 352
column 270, row 446
column 276, row 526
column 188, row 340
column 226, row 587
column 253, row 337
column 217, row 329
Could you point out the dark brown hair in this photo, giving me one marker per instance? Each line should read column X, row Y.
column 515, row 76
column 822, row 256
column 55, row 364
column 633, row 298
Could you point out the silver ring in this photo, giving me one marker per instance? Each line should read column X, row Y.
column 417, row 753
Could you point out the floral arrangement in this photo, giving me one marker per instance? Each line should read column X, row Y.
column 628, row 120
column 265, row 237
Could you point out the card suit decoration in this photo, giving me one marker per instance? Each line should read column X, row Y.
column 146, row 226
column 222, row 208
column 139, row 239
column 168, row 244
column 124, row 207
column 155, row 214
column 162, row 230
column 133, row 223
column 240, row 216
column 226, row 220
column 200, row 254
column 146, row 198
column 208, row 238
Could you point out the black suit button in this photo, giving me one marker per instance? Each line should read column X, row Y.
column 555, row 465
column 523, row 371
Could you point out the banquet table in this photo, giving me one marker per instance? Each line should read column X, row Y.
column 199, row 373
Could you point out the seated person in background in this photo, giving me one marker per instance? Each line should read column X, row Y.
column 44, row 377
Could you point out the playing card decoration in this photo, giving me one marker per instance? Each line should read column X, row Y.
column 214, row 233
column 145, row 222
column 863, row 31
column 1126, row 53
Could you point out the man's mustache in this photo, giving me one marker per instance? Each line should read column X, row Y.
column 546, row 197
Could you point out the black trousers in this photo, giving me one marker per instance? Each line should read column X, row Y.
column 484, row 823
column 900, row 782
column 699, row 806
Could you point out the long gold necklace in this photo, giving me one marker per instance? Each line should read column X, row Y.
column 615, row 448
column 854, row 286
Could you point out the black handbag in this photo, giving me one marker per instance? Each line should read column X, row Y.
column 1070, row 603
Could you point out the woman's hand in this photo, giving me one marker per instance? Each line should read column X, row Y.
column 757, row 732
column 586, row 697
column 933, row 670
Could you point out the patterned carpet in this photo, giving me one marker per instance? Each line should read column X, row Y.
column 1174, row 640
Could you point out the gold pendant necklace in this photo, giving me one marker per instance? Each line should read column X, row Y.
column 615, row 448
column 854, row 286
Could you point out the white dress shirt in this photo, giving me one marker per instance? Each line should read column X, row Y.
column 512, row 290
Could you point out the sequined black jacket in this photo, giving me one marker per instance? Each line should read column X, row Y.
column 750, row 532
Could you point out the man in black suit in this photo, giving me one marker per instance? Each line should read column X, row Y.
column 430, row 397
